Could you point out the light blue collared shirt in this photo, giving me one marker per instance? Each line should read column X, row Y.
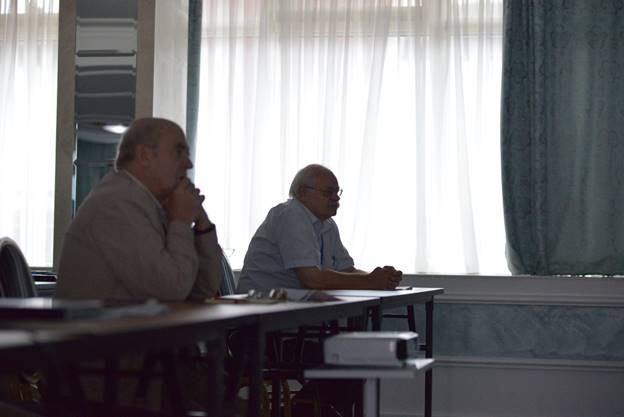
column 291, row 237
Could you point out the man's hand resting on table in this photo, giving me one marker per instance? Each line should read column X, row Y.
column 386, row 278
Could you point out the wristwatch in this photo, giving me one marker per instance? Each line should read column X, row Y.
column 208, row 229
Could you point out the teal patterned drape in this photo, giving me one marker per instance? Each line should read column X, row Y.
column 562, row 136
column 192, row 75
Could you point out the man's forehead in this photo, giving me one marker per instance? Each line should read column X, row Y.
column 326, row 178
column 174, row 137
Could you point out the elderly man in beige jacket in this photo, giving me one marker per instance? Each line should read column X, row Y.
column 142, row 232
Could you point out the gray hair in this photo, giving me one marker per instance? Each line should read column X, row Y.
column 306, row 177
column 146, row 131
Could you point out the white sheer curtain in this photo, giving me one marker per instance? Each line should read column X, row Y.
column 400, row 98
column 28, row 78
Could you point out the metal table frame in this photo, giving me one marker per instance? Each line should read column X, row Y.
column 372, row 377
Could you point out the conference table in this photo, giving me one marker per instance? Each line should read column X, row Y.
column 403, row 297
column 53, row 344
column 383, row 300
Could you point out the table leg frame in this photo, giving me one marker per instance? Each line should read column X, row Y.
column 429, row 354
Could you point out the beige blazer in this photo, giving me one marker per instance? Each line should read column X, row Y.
column 121, row 246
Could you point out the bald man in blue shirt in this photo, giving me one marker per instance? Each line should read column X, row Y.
column 298, row 245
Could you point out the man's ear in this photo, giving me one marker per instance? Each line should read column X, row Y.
column 300, row 194
column 144, row 154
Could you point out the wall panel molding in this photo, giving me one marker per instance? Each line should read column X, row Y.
column 519, row 289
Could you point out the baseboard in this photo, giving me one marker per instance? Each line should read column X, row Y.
column 532, row 364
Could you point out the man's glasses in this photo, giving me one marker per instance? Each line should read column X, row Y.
column 327, row 193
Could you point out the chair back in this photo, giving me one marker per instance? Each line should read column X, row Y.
column 228, row 281
column 15, row 277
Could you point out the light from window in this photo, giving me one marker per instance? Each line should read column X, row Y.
column 402, row 103
column 28, row 79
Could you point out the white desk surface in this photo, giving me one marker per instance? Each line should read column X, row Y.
column 408, row 371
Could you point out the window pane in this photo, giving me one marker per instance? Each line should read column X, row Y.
column 28, row 79
column 401, row 102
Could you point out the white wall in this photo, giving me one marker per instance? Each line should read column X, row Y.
column 469, row 387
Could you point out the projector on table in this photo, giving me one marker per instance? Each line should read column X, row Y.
column 371, row 348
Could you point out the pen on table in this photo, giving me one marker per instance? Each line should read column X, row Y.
column 229, row 300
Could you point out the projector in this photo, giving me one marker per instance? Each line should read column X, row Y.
column 371, row 348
